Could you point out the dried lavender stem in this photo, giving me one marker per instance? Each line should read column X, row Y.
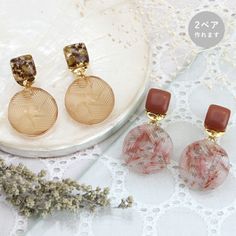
column 33, row 195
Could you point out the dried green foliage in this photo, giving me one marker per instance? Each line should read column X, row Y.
column 33, row 195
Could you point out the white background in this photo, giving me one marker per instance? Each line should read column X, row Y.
column 164, row 206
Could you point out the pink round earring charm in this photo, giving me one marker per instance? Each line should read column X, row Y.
column 147, row 148
column 205, row 164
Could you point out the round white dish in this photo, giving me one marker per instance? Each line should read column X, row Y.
column 119, row 53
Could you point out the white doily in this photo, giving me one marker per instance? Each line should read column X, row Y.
column 164, row 206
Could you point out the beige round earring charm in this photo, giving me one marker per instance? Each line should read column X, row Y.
column 206, row 29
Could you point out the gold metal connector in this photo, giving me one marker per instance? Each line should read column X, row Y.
column 154, row 118
column 213, row 135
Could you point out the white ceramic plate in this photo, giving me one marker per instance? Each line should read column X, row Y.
column 119, row 53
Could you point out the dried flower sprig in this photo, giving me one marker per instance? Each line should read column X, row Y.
column 33, row 195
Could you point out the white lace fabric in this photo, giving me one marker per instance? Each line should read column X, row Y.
column 163, row 206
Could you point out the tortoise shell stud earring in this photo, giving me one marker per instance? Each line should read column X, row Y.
column 147, row 148
column 89, row 99
column 32, row 111
column 205, row 164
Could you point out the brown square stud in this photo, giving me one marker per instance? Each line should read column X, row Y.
column 23, row 69
column 76, row 55
column 217, row 118
column 158, row 101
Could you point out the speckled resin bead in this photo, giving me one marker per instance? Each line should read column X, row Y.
column 204, row 165
column 147, row 148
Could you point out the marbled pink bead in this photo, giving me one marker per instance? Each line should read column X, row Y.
column 147, row 148
column 204, row 165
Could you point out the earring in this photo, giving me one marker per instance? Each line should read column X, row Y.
column 205, row 164
column 32, row 111
column 147, row 148
column 89, row 99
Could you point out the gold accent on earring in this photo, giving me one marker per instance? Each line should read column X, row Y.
column 154, row 118
column 32, row 111
column 213, row 135
column 89, row 99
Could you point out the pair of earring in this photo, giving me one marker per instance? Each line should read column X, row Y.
column 148, row 148
column 33, row 111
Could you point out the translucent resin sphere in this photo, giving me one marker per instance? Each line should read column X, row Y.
column 89, row 100
column 147, row 148
column 32, row 111
column 204, row 165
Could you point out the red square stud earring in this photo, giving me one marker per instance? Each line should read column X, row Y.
column 205, row 164
column 147, row 148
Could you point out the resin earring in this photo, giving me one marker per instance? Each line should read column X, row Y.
column 89, row 99
column 204, row 164
column 33, row 111
column 147, row 148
